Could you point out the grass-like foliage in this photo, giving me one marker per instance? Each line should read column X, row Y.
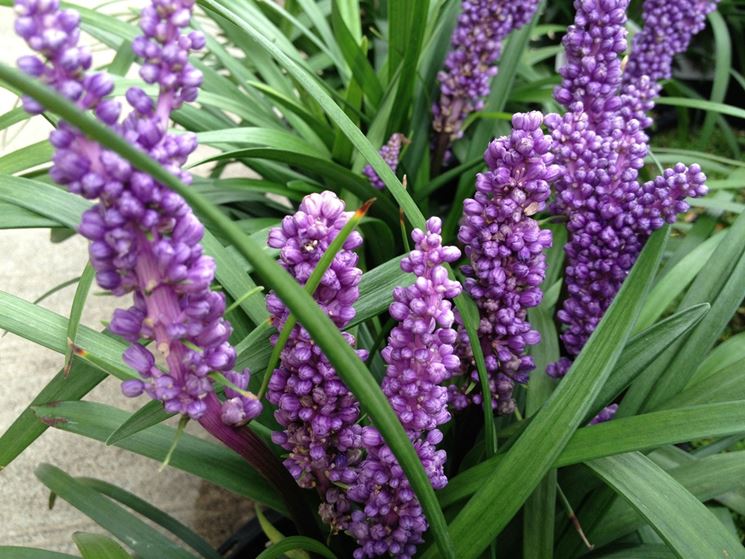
column 521, row 339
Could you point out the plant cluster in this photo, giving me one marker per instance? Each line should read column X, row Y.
column 389, row 381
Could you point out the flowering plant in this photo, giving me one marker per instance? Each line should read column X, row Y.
column 414, row 324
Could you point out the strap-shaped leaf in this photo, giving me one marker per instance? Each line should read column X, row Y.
column 184, row 533
column 147, row 542
column 15, row 552
column 642, row 432
column 202, row 458
column 686, row 525
column 98, row 546
column 291, row 543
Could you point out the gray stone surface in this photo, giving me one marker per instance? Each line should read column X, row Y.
column 31, row 265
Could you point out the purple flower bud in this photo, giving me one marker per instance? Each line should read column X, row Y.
column 132, row 388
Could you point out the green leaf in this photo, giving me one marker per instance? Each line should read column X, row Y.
column 723, row 386
column 644, row 551
column 642, row 432
column 723, row 285
column 347, row 363
column 405, row 43
column 376, row 289
column 277, row 550
column 26, row 428
column 285, row 102
column 356, row 58
column 15, row 217
column 310, row 83
column 97, row 546
column 470, row 314
column 47, row 200
column 540, row 508
column 141, row 538
column 515, row 477
column 48, row 329
column 676, row 280
column 13, row 552
column 26, row 157
column 337, row 176
column 133, row 502
column 234, row 279
column 148, row 415
column 652, row 430
column 277, row 139
column 725, row 354
column 204, row 459
column 686, row 526
column 722, row 67
column 643, row 349
column 76, row 311
column 123, row 60
column 13, row 116
column 702, row 105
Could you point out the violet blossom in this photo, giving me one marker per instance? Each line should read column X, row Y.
column 668, row 29
column 145, row 240
column 601, row 145
column 390, row 152
column 318, row 412
column 505, row 246
column 476, row 45
column 420, row 358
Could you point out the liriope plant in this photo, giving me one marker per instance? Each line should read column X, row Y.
column 388, row 383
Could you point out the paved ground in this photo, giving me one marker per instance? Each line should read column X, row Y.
column 31, row 265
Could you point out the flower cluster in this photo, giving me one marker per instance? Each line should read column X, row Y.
column 601, row 146
column 506, row 247
column 145, row 240
column 475, row 48
column 420, row 358
column 667, row 31
column 390, row 153
column 318, row 412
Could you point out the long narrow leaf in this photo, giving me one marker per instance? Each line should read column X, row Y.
column 146, row 541
column 189, row 537
column 98, row 546
column 202, row 458
column 685, row 524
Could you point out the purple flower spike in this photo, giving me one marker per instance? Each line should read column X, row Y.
column 475, row 48
column 390, row 153
column 144, row 238
column 593, row 45
column 602, row 147
column 318, row 412
column 506, row 247
column 668, row 29
column 420, row 358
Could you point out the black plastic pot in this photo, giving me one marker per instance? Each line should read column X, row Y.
column 250, row 540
